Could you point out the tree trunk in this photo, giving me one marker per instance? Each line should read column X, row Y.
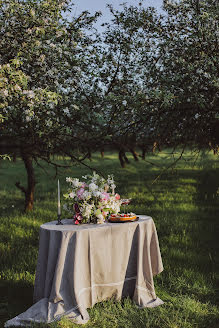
column 154, row 147
column 102, row 152
column 216, row 150
column 89, row 154
column 29, row 195
column 121, row 158
column 134, row 154
column 125, row 158
column 14, row 157
column 29, row 190
column 143, row 153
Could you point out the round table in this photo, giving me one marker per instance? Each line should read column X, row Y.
column 80, row 265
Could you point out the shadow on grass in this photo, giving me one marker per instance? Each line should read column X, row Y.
column 11, row 295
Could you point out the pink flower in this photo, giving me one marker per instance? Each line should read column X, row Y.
column 117, row 196
column 105, row 196
column 80, row 192
column 105, row 213
column 77, row 222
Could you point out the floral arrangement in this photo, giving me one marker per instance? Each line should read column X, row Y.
column 93, row 199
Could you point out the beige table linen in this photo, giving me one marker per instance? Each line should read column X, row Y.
column 79, row 266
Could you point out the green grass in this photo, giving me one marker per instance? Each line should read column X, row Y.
column 184, row 203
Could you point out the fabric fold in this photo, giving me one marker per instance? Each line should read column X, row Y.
column 149, row 264
column 79, row 266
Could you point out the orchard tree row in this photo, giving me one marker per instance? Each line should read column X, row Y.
column 147, row 79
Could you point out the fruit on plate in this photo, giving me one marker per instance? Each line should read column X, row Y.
column 123, row 217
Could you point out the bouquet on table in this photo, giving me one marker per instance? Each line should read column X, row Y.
column 93, row 199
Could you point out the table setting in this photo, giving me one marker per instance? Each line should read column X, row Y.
column 96, row 254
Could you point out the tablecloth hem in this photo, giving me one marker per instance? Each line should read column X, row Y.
column 70, row 314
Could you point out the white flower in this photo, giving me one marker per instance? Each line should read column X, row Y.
column 5, row 92
column 76, row 182
column 42, row 58
column 38, row 43
column 50, row 72
column 68, row 179
column 29, row 93
column 28, row 118
column 17, row 87
column 93, row 186
column 115, row 207
column 87, row 209
column 66, row 111
column 100, row 218
column 58, row 33
column 29, row 31
column 95, row 177
column 48, row 123
column 124, row 102
column 72, row 194
column 110, row 180
column 86, row 195
column 97, row 193
column 75, row 107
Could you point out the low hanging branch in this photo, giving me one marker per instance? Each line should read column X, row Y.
column 18, row 185
column 169, row 166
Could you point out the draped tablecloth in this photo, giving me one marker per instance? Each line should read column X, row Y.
column 79, row 266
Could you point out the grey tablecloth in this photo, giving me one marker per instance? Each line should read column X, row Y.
column 79, row 266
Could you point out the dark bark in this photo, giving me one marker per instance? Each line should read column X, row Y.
column 134, row 154
column 197, row 6
column 29, row 190
column 14, row 157
column 214, row 148
column 102, row 152
column 143, row 154
column 121, row 158
column 89, row 154
column 125, row 158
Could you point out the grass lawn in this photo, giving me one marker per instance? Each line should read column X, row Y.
column 184, row 204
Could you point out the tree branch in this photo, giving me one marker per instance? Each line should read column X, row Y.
column 18, row 185
column 169, row 166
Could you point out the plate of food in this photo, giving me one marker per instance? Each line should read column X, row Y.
column 123, row 217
